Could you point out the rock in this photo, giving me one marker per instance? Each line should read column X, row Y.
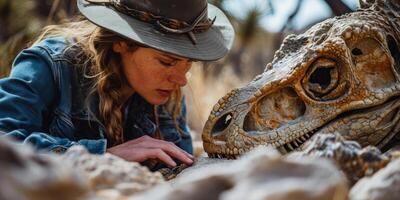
column 77, row 174
column 356, row 162
column 383, row 185
column 28, row 175
column 110, row 176
column 258, row 175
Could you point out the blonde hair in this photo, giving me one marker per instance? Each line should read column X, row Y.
column 104, row 66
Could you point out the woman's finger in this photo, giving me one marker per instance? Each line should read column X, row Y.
column 160, row 155
column 177, row 152
column 183, row 151
column 168, row 147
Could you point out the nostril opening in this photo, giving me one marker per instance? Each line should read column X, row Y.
column 222, row 123
column 356, row 52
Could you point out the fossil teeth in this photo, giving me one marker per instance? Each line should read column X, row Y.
column 282, row 150
column 295, row 143
column 298, row 140
column 308, row 136
column 303, row 138
column 290, row 146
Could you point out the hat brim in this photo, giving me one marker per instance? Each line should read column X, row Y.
column 212, row 44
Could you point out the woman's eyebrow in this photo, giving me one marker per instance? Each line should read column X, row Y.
column 177, row 58
column 171, row 57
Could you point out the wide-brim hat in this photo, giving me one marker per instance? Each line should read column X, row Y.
column 205, row 44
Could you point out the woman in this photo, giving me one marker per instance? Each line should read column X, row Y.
column 111, row 82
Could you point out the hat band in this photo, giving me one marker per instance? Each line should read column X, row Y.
column 201, row 24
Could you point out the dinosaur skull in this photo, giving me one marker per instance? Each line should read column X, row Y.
column 342, row 75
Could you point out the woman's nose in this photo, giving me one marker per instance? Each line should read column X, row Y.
column 178, row 78
column 178, row 75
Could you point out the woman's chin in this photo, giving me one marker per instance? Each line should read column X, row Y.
column 158, row 101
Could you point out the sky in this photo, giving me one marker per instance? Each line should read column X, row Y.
column 310, row 11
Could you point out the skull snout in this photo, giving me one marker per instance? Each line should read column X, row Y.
column 273, row 110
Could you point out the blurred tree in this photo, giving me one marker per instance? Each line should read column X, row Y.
column 337, row 7
column 247, row 30
column 22, row 20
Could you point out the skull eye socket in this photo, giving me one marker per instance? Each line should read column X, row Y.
column 322, row 80
column 322, row 77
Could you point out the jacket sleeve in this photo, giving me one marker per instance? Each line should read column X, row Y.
column 25, row 97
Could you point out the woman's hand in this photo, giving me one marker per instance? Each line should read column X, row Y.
column 146, row 147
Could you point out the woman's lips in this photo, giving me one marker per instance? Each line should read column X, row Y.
column 164, row 93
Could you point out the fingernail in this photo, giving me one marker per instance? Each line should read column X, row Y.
column 173, row 164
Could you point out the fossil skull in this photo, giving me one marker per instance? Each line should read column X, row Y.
column 342, row 75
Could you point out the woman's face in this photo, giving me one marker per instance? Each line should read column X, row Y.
column 153, row 74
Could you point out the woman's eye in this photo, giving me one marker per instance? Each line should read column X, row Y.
column 166, row 63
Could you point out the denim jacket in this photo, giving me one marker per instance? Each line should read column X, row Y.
column 42, row 102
